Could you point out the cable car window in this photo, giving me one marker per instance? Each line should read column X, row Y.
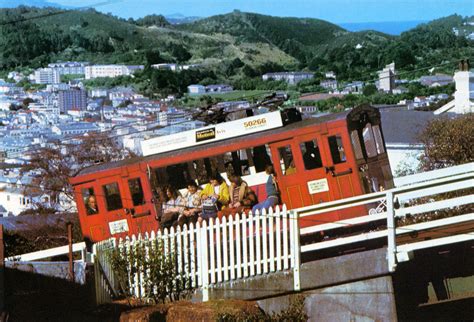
column 337, row 149
column 378, row 139
column 287, row 162
column 136, row 191
column 261, row 157
column 356, row 144
column 201, row 170
column 90, row 201
column 369, row 141
column 112, row 196
column 237, row 162
column 311, row 155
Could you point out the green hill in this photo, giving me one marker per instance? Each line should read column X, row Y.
column 297, row 37
column 236, row 48
column 100, row 38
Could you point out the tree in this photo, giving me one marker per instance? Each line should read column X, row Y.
column 448, row 142
column 54, row 165
column 370, row 89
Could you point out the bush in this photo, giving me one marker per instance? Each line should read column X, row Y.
column 161, row 280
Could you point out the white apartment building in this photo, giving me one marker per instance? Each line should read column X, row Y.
column 47, row 76
column 96, row 71
column 105, row 71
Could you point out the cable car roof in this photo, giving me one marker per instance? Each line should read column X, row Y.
column 302, row 124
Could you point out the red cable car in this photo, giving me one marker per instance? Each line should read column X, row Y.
column 316, row 160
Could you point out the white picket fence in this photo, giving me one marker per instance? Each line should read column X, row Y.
column 233, row 248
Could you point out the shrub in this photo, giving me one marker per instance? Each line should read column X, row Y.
column 146, row 261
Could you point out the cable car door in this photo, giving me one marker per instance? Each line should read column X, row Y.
column 285, row 163
column 314, row 160
column 139, row 207
column 114, row 208
column 91, row 209
column 340, row 169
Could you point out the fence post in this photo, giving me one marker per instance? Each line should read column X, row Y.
column 391, row 230
column 204, row 263
column 295, row 248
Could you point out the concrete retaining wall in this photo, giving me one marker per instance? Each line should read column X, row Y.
column 52, row 269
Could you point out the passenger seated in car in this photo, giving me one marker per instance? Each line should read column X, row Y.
column 172, row 207
column 218, row 188
column 271, row 187
column 192, row 205
column 214, row 196
column 237, row 193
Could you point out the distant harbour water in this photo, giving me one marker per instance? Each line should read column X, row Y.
column 388, row 27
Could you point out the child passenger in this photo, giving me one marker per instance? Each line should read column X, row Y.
column 192, row 205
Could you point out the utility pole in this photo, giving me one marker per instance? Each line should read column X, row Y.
column 71, row 262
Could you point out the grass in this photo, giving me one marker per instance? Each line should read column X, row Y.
column 253, row 95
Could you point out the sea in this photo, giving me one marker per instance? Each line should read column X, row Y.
column 389, row 27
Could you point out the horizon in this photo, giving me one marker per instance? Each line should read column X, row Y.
column 334, row 11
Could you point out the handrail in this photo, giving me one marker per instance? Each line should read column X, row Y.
column 376, row 196
column 428, row 175
column 47, row 253
column 428, row 184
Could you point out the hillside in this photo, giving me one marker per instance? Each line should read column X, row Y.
column 96, row 37
column 295, row 36
column 235, row 48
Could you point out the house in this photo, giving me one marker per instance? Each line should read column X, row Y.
column 98, row 92
column 353, row 88
column 463, row 102
column 401, row 129
column 219, row 88
column 172, row 67
column 233, row 105
column 307, row 109
column 330, row 84
column 3, row 211
column 330, row 74
column 196, row 89
column 400, row 90
column 436, row 80
column 291, row 78
column 78, row 128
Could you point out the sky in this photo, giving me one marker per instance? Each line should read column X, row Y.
column 336, row 11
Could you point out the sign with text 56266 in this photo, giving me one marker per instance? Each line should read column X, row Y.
column 214, row 133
